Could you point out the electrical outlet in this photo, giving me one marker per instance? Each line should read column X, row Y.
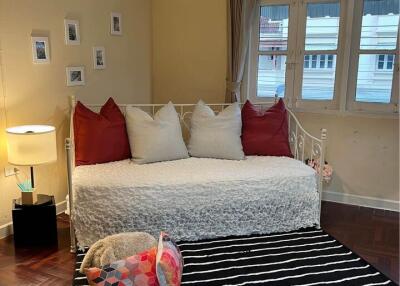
column 10, row 171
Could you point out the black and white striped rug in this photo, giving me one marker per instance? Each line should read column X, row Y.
column 304, row 257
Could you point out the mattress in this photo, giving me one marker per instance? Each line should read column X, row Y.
column 194, row 198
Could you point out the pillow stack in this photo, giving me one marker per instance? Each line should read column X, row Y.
column 231, row 134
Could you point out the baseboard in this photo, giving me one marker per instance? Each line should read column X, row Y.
column 7, row 229
column 61, row 207
column 363, row 201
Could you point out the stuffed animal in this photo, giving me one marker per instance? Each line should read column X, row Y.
column 116, row 247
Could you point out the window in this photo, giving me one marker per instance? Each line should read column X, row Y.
column 377, row 24
column 326, row 54
column 385, row 62
column 272, row 50
column 322, row 61
column 321, row 44
column 314, row 61
column 330, row 61
column 318, row 62
column 275, row 67
column 307, row 62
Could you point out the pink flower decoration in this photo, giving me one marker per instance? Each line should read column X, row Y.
column 327, row 170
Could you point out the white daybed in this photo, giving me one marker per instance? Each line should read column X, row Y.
column 196, row 198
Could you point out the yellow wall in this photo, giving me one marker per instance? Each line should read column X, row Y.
column 37, row 94
column 189, row 61
column 363, row 151
column 189, row 50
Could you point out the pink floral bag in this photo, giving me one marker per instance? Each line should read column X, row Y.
column 169, row 262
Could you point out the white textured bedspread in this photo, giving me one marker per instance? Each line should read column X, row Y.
column 194, row 198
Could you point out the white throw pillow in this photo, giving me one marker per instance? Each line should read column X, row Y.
column 216, row 136
column 158, row 139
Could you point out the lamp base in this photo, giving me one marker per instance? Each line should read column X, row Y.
column 28, row 198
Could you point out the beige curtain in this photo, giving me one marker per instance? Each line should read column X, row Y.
column 240, row 17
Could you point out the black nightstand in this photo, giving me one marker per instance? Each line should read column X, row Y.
column 35, row 224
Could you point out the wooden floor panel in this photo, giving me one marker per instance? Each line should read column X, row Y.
column 371, row 233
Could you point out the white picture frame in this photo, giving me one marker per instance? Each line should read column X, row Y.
column 72, row 34
column 99, row 58
column 40, row 50
column 116, row 24
column 75, row 76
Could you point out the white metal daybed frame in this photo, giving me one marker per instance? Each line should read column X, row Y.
column 303, row 144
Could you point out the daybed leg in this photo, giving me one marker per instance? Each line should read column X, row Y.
column 321, row 166
column 68, row 146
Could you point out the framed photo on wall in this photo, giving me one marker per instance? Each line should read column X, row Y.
column 40, row 50
column 116, row 24
column 99, row 58
column 75, row 76
column 72, row 35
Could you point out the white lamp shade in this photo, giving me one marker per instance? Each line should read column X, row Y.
column 31, row 145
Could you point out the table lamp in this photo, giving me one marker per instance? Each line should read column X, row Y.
column 31, row 145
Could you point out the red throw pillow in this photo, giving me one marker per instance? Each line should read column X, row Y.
column 265, row 133
column 100, row 137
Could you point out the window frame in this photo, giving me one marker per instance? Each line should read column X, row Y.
column 348, row 50
column 294, row 55
column 356, row 51
column 307, row 104
column 254, row 52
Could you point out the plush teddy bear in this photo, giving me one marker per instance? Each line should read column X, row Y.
column 116, row 247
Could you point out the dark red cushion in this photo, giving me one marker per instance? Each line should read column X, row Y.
column 265, row 133
column 100, row 137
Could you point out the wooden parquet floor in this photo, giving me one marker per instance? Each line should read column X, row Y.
column 371, row 233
